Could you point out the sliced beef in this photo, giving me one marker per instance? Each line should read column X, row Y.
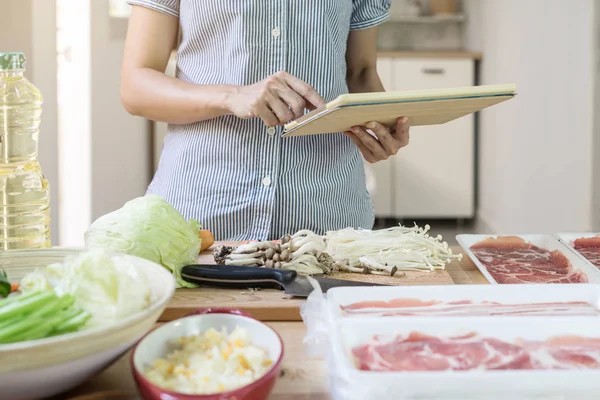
column 512, row 260
column 589, row 248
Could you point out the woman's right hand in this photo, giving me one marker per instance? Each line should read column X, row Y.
column 276, row 100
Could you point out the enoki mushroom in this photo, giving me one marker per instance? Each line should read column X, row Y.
column 389, row 250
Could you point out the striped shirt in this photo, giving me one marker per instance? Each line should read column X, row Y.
column 240, row 179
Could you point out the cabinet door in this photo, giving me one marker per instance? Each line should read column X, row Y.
column 381, row 173
column 434, row 174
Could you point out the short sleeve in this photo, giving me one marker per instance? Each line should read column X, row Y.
column 169, row 7
column 369, row 13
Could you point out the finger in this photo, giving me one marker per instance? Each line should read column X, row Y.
column 263, row 112
column 281, row 110
column 402, row 134
column 294, row 101
column 389, row 142
column 370, row 142
column 366, row 153
column 305, row 90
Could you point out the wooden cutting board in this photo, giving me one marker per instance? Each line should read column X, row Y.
column 275, row 305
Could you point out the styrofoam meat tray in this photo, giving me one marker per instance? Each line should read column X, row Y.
column 522, row 294
column 567, row 239
column 349, row 383
column 547, row 242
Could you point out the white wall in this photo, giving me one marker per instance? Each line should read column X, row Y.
column 121, row 157
column 29, row 26
column 596, row 130
column 535, row 150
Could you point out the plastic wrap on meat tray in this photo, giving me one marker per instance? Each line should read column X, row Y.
column 315, row 314
column 329, row 327
column 586, row 245
column 495, row 362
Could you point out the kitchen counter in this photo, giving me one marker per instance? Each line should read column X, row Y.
column 302, row 377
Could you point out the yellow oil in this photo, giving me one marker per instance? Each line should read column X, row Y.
column 24, row 191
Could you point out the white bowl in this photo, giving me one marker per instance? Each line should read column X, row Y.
column 43, row 368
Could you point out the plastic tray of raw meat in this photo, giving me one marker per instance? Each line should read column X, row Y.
column 465, row 358
column 585, row 245
column 462, row 300
column 526, row 259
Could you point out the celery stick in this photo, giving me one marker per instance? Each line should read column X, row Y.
column 40, row 331
column 16, row 298
column 26, row 322
column 26, row 305
column 72, row 325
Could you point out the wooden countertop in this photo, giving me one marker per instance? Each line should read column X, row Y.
column 302, row 377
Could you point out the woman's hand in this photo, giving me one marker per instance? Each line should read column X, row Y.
column 385, row 144
column 276, row 100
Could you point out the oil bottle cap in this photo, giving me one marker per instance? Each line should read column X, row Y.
column 10, row 61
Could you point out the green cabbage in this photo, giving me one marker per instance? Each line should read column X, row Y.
column 150, row 228
column 108, row 288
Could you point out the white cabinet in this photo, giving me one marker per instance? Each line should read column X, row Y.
column 434, row 176
column 382, row 194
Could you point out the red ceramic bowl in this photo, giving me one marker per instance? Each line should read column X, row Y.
column 154, row 346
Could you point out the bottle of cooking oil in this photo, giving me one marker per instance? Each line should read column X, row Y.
column 24, row 191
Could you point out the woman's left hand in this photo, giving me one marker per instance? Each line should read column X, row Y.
column 386, row 143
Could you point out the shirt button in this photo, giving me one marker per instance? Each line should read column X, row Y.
column 271, row 131
column 266, row 180
column 276, row 32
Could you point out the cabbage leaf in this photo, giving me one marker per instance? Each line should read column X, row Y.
column 108, row 287
column 149, row 227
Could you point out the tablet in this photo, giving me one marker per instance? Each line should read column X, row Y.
column 421, row 107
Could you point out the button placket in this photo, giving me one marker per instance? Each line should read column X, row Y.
column 271, row 147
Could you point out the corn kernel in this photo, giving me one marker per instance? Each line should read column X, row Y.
column 226, row 354
column 244, row 363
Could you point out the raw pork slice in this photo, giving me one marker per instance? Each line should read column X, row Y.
column 589, row 248
column 416, row 307
column 419, row 352
column 510, row 259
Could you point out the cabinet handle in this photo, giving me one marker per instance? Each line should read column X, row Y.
column 434, row 71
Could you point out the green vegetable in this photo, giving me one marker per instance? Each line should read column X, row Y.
column 149, row 227
column 108, row 288
column 38, row 315
column 4, row 284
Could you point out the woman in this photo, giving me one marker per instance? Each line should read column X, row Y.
column 244, row 69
